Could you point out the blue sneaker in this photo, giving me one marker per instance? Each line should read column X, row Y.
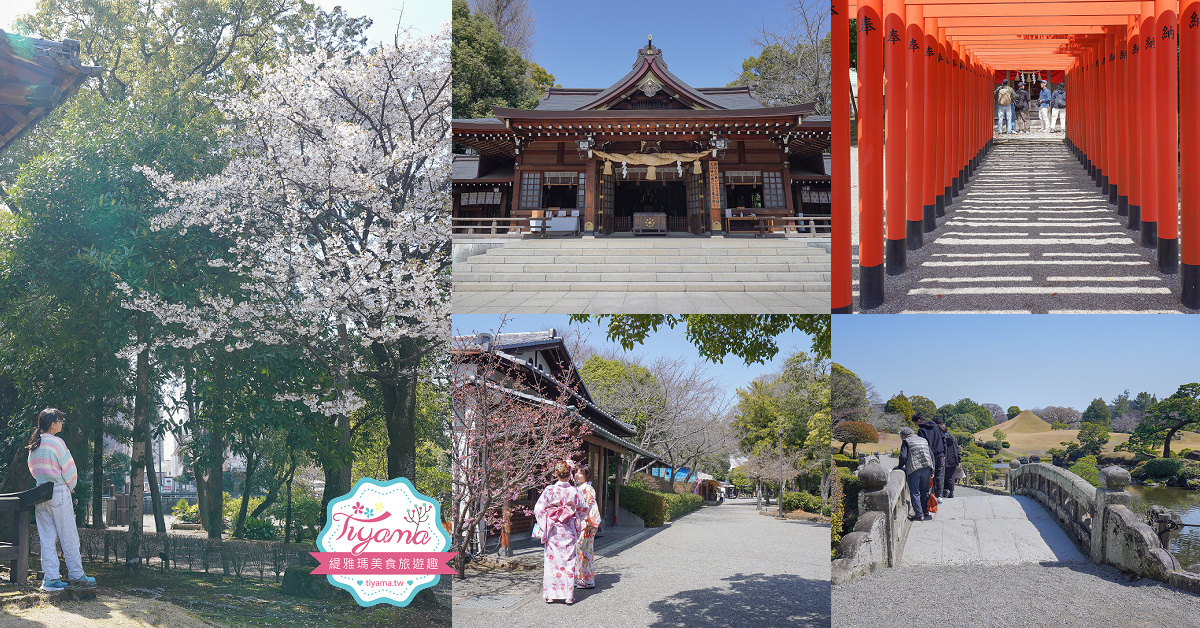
column 82, row 582
column 53, row 585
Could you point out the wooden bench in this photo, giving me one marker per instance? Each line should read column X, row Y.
column 16, row 548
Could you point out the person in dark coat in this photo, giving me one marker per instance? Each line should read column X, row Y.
column 953, row 458
column 932, row 434
column 917, row 462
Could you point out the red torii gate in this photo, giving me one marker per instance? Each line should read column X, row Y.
column 1119, row 59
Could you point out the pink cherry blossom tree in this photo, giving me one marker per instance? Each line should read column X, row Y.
column 507, row 436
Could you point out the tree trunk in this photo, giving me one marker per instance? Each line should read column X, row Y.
column 98, row 458
column 216, row 486
column 141, row 413
column 252, row 460
column 273, row 492
column 338, row 472
column 1167, row 442
column 399, row 408
column 287, row 518
column 160, row 523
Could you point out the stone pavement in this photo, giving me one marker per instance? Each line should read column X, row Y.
column 1031, row 233
column 642, row 275
column 975, row 527
column 719, row 566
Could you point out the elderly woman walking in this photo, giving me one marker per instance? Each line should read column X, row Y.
column 585, row 571
column 917, row 461
column 51, row 461
column 559, row 512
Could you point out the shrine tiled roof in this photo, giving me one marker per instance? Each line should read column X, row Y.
column 36, row 75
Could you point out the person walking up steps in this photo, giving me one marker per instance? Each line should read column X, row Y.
column 1060, row 109
column 51, row 461
column 917, row 462
column 953, row 458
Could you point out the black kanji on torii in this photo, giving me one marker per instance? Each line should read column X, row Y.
column 867, row 24
column 913, row 45
column 1149, row 42
column 1135, row 48
column 1111, row 58
column 940, row 58
column 1123, row 55
column 833, row 7
column 1168, row 32
column 1193, row 21
column 893, row 36
column 928, row 51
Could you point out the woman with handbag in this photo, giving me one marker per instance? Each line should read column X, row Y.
column 585, row 571
column 51, row 461
column 559, row 512
column 917, row 461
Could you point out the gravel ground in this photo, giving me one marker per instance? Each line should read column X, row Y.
column 1062, row 595
column 720, row 566
column 1063, row 212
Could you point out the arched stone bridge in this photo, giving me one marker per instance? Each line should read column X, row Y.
column 1049, row 516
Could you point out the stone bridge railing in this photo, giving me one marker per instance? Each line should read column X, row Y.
column 1100, row 521
column 878, row 538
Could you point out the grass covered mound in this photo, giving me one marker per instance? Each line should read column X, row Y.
column 1024, row 423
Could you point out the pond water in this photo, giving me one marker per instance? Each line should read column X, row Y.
column 1185, row 546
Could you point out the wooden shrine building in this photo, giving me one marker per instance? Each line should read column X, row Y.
column 36, row 75
column 650, row 146
column 539, row 369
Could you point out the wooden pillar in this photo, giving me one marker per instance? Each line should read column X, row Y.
column 933, row 111
column 591, row 196
column 1108, row 104
column 617, row 476
column 938, row 133
column 914, row 185
column 1166, row 90
column 895, row 64
column 1149, row 218
column 714, row 196
column 870, row 153
column 1121, row 116
column 842, row 291
column 1135, row 123
column 1189, row 155
column 506, row 531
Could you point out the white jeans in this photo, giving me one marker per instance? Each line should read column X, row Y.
column 1044, row 116
column 56, row 522
column 1059, row 114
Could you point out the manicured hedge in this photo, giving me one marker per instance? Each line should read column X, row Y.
column 658, row 508
column 801, row 501
column 845, row 461
column 1162, row 468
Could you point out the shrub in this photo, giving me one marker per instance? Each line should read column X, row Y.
column 1005, row 444
column 679, row 504
column 1086, row 468
column 845, row 461
column 1190, row 471
column 855, row 432
column 650, row 507
column 186, row 513
column 801, row 501
column 259, row 529
column 1162, row 468
column 850, row 488
column 1118, row 458
column 993, row 447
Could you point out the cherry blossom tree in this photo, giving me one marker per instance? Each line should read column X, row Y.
column 336, row 203
column 506, row 439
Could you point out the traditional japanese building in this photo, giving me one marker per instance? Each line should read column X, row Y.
column 36, row 75
column 650, row 146
column 538, row 370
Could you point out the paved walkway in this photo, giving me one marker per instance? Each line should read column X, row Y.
column 1031, row 233
column 719, row 566
column 977, row 527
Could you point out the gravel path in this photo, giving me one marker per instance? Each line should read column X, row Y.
column 720, row 566
column 1062, row 595
column 1030, row 233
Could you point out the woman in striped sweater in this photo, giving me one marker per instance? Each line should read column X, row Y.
column 50, row 461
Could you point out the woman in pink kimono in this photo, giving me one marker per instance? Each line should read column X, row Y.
column 560, row 511
column 585, row 570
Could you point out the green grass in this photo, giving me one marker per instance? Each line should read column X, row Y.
column 247, row 602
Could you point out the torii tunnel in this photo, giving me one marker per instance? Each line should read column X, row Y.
column 1131, row 100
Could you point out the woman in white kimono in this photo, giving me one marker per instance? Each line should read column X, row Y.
column 560, row 512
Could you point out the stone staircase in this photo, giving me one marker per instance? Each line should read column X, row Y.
column 647, row 264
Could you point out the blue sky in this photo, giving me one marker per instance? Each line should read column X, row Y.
column 1027, row 361
column 703, row 41
column 733, row 373
column 423, row 16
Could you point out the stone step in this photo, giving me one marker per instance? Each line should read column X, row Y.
column 640, row 286
column 627, row 278
column 518, row 267
column 687, row 244
column 768, row 251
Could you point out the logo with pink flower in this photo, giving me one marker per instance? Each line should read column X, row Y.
column 383, row 542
